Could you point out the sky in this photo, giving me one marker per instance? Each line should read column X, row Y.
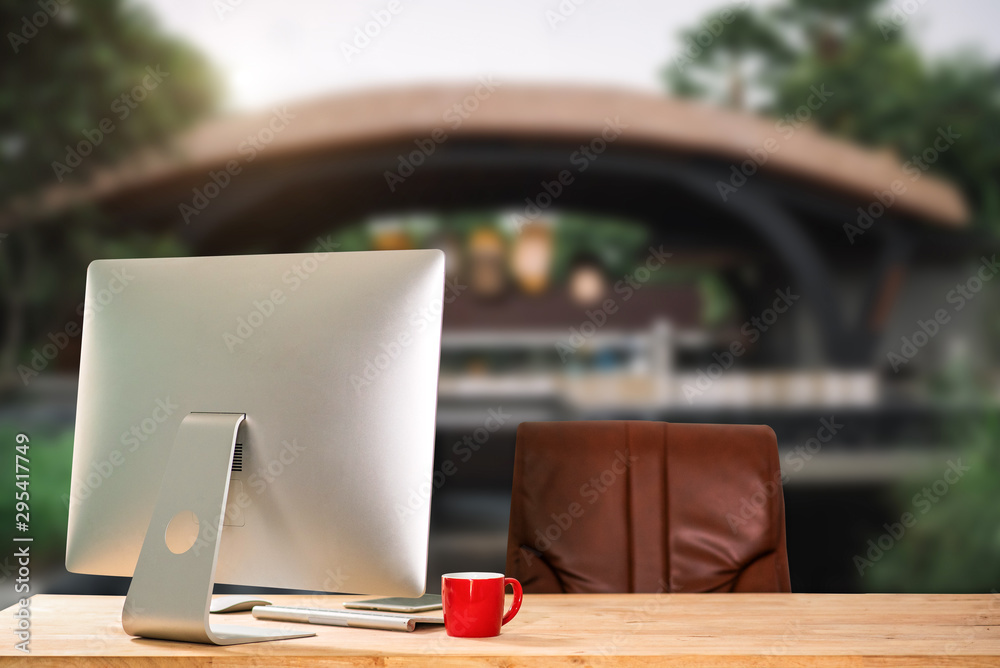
column 271, row 52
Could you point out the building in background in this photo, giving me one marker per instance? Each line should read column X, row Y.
column 610, row 256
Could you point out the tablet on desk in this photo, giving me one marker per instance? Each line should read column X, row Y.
column 399, row 604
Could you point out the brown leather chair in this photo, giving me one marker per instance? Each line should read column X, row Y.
column 630, row 506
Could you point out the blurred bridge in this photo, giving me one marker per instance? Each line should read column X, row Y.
column 703, row 179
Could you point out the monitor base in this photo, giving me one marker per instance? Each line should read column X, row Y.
column 171, row 590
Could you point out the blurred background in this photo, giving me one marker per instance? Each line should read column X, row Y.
column 780, row 213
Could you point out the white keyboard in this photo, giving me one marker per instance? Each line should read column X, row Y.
column 365, row 619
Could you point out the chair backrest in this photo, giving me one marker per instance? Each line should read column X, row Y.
column 632, row 506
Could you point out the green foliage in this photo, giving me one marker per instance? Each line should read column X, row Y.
column 955, row 546
column 79, row 89
column 619, row 244
column 43, row 274
column 63, row 78
column 885, row 92
column 725, row 42
column 717, row 298
column 50, row 460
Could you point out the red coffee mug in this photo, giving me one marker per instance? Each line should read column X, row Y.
column 473, row 603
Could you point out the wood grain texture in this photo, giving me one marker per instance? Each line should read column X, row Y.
column 568, row 630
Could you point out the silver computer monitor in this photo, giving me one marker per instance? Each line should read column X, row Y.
column 333, row 360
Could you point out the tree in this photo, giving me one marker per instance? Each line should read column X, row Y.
column 727, row 41
column 82, row 84
column 886, row 93
column 71, row 66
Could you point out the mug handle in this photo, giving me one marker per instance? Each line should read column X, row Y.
column 516, row 605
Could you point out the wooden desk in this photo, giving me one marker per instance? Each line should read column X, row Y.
column 575, row 630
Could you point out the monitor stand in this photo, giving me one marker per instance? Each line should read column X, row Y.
column 171, row 590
